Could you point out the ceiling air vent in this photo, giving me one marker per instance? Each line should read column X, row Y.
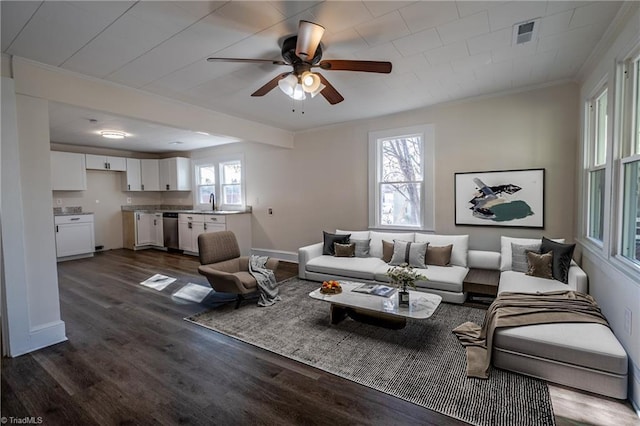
column 525, row 32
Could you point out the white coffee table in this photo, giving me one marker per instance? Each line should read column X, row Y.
column 378, row 310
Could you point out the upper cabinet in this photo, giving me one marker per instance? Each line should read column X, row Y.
column 175, row 174
column 68, row 172
column 103, row 162
column 150, row 175
column 131, row 180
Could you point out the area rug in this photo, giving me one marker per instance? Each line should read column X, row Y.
column 422, row 363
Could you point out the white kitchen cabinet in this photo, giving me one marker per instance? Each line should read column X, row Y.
column 104, row 162
column 149, row 175
column 175, row 174
column 68, row 172
column 74, row 236
column 149, row 229
column 189, row 227
column 131, row 179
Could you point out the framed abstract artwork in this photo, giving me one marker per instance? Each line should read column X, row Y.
column 512, row 198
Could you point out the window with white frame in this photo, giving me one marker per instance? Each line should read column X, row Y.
column 401, row 178
column 596, row 163
column 219, row 183
column 630, row 161
column 231, row 183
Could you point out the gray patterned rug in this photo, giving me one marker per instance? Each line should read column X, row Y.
column 422, row 363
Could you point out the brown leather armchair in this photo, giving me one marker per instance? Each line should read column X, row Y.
column 225, row 269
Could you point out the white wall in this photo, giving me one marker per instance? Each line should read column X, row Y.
column 615, row 286
column 30, row 280
column 321, row 184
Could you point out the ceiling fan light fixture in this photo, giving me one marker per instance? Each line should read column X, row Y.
column 298, row 93
column 318, row 90
column 310, row 81
column 112, row 134
column 288, row 84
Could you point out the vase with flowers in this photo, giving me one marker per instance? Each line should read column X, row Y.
column 404, row 276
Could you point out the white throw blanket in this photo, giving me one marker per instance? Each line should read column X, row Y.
column 266, row 279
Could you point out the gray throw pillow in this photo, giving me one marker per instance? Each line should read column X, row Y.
column 519, row 256
column 362, row 247
column 408, row 252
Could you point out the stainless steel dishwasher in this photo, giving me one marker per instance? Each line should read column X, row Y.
column 170, row 229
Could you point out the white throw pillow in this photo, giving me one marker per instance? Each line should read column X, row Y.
column 375, row 247
column 505, row 248
column 460, row 245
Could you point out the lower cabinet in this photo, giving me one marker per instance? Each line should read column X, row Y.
column 192, row 225
column 142, row 229
column 74, row 236
column 189, row 227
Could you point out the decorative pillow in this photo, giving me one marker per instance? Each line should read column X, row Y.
column 562, row 255
column 519, row 256
column 362, row 247
column 376, row 237
column 329, row 239
column 505, row 249
column 387, row 251
column 460, row 250
column 344, row 250
column 439, row 256
column 408, row 252
column 540, row 265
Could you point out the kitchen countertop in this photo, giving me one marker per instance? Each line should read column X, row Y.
column 177, row 209
column 69, row 211
column 71, row 214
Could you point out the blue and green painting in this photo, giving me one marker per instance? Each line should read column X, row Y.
column 493, row 203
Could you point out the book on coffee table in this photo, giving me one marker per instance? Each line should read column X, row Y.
column 376, row 290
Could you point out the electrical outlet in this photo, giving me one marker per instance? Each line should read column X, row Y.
column 270, row 211
column 128, row 200
column 59, row 201
column 627, row 321
column 97, row 201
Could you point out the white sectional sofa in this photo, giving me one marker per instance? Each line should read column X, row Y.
column 582, row 355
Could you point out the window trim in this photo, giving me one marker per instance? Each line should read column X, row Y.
column 222, row 205
column 427, row 207
column 217, row 162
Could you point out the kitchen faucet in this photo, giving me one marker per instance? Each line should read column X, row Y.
column 212, row 200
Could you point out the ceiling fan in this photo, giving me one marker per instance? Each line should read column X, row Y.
column 303, row 52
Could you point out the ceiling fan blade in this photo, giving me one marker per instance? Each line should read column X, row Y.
column 363, row 66
column 329, row 92
column 257, row 61
column 309, row 35
column 270, row 85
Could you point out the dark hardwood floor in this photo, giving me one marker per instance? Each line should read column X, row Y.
column 131, row 359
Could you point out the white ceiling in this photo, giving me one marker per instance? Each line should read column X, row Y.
column 440, row 51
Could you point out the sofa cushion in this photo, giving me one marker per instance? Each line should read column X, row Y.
column 460, row 245
column 410, row 253
column 518, row 282
column 377, row 237
column 519, row 261
column 505, row 249
column 562, row 256
column 344, row 250
column 329, row 239
column 447, row 278
column 540, row 265
column 353, row 267
column 355, row 235
column 584, row 344
column 439, row 256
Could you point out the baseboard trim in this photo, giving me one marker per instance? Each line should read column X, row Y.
column 43, row 336
column 287, row 256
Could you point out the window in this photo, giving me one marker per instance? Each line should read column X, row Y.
column 220, row 181
column 630, row 170
column 231, row 179
column 401, row 178
column 596, row 163
column 205, row 184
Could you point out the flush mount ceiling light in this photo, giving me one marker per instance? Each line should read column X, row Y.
column 177, row 142
column 112, row 134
